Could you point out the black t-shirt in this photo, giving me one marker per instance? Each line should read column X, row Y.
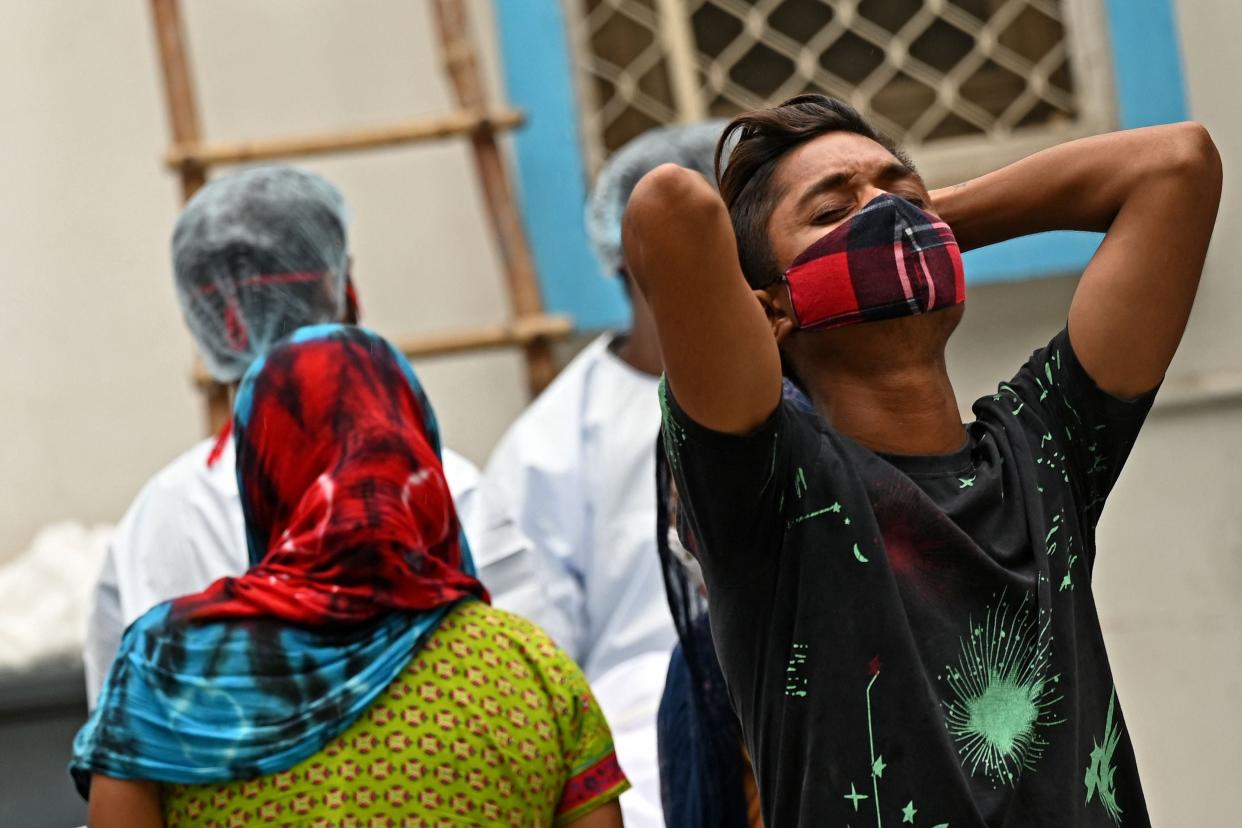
column 913, row 639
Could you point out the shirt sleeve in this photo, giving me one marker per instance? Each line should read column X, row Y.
column 103, row 630
column 1087, row 433
column 526, row 535
column 463, row 482
column 519, row 578
column 594, row 776
column 173, row 541
column 730, row 487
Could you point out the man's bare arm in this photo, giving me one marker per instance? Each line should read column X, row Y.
column 1154, row 192
column 719, row 351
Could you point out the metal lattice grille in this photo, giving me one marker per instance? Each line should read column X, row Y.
column 925, row 71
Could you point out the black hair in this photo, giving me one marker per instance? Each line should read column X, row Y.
column 764, row 136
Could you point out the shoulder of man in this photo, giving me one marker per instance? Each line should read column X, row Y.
column 546, row 432
column 186, row 475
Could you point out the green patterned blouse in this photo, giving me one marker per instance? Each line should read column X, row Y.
column 490, row 724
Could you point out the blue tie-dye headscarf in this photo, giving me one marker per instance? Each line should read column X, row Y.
column 356, row 554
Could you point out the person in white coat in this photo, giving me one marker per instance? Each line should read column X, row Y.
column 578, row 470
column 256, row 255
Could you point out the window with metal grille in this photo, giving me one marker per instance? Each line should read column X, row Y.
column 966, row 85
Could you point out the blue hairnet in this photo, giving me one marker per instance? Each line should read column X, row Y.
column 256, row 255
column 688, row 145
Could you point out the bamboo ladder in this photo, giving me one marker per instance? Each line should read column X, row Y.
column 528, row 327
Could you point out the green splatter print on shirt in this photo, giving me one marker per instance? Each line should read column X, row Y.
column 674, row 432
column 1099, row 778
column 1001, row 696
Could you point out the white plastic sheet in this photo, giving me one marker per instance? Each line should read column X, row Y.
column 45, row 595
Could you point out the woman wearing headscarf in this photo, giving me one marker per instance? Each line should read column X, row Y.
column 356, row 669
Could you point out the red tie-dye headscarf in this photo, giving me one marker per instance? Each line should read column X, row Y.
column 348, row 514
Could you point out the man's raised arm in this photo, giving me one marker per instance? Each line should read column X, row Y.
column 1154, row 192
column 720, row 355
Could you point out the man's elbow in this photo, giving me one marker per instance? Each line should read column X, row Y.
column 1192, row 154
column 670, row 192
column 669, row 206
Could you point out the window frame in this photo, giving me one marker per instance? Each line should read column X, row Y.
column 942, row 162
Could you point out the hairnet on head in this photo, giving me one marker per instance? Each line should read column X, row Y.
column 256, row 255
column 688, row 145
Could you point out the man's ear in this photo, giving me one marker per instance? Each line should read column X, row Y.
column 778, row 309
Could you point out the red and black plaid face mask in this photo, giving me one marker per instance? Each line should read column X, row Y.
column 889, row 259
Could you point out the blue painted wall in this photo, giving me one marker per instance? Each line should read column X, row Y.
column 550, row 169
column 1147, row 69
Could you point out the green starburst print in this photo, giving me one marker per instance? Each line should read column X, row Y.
column 1001, row 697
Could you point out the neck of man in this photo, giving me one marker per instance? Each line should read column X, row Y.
column 905, row 409
column 640, row 346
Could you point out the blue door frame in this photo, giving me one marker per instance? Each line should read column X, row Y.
column 551, row 175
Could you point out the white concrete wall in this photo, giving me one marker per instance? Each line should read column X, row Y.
column 94, row 390
column 95, row 395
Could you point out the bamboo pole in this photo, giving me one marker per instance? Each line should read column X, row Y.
column 461, row 66
column 415, row 130
column 178, row 88
column 186, row 129
column 520, row 331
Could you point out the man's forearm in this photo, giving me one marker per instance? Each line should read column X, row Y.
column 1155, row 192
column 1079, row 185
column 718, row 348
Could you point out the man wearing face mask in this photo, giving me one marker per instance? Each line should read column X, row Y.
column 901, row 604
